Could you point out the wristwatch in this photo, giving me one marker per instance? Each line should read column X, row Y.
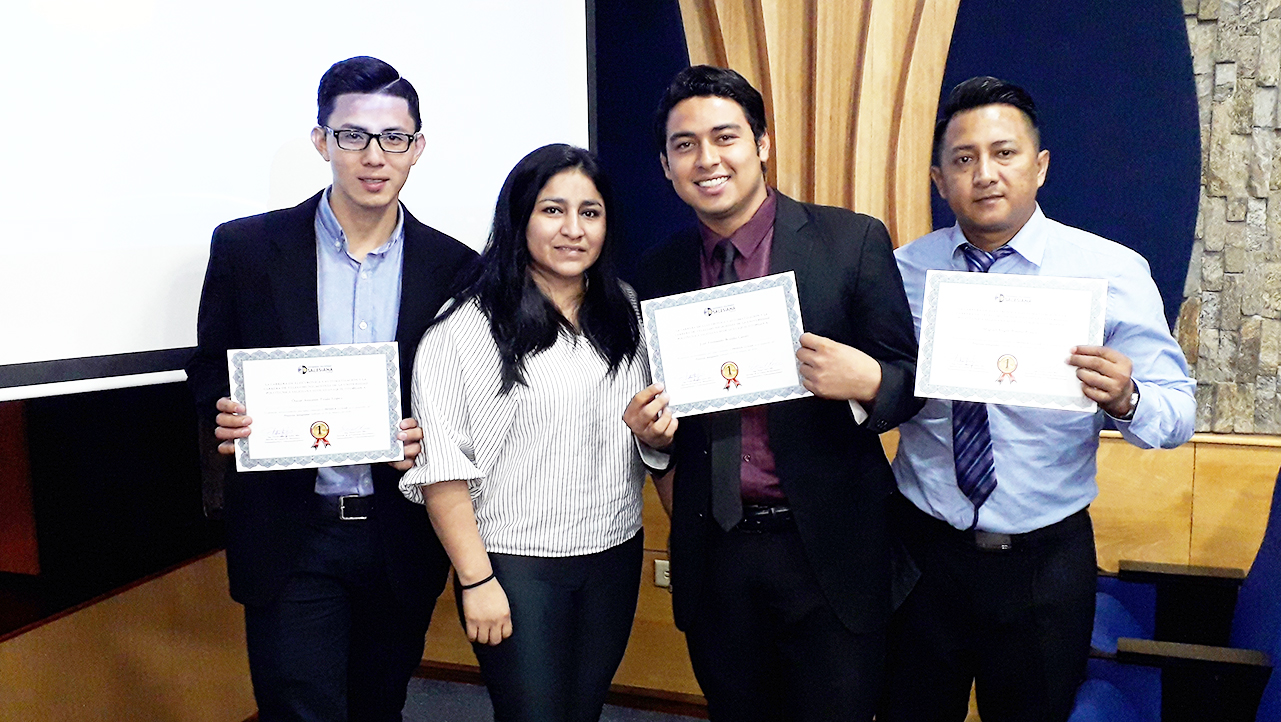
column 1134, row 404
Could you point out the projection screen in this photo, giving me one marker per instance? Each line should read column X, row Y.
column 121, row 160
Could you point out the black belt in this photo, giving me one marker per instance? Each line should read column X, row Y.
column 343, row 508
column 992, row 541
column 758, row 519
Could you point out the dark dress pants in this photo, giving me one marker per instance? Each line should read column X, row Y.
column 1015, row 624
column 571, row 618
column 766, row 645
column 335, row 645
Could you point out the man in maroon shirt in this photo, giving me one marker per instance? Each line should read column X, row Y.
column 780, row 554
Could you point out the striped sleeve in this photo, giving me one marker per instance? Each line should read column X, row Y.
column 440, row 405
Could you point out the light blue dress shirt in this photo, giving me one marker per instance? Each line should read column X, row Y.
column 1045, row 459
column 359, row 302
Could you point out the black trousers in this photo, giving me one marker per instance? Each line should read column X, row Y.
column 571, row 618
column 335, row 645
column 766, row 645
column 1016, row 624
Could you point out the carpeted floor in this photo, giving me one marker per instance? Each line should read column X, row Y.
column 434, row 701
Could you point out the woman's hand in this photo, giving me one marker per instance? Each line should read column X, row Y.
column 487, row 614
column 649, row 418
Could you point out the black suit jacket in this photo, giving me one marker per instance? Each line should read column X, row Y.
column 260, row 291
column 833, row 470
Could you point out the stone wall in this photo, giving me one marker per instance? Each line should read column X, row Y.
column 1230, row 323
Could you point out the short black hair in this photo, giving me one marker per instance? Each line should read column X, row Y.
column 366, row 75
column 706, row 80
column 977, row 92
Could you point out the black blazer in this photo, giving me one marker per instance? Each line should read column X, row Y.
column 833, row 471
column 260, row 290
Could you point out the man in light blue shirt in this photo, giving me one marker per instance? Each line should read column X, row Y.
column 995, row 497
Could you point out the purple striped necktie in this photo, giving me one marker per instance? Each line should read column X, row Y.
column 971, row 437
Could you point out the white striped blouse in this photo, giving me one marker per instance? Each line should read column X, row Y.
column 553, row 470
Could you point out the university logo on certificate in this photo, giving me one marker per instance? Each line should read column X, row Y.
column 726, row 347
column 317, row 406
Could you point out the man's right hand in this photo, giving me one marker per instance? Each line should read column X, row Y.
column 487, row 614
column 232, row 425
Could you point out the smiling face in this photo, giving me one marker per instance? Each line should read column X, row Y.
column 367, row 181
column 990, row 168
column 565, row 232
column 714, row 163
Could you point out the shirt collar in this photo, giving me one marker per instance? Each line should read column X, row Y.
column 333, row 231
column 1029, row 242
column 749, row 236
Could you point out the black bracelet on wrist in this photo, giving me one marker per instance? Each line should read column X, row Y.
column 473, row 585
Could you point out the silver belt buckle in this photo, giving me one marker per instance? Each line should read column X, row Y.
column 991, row 541
column 342, row 509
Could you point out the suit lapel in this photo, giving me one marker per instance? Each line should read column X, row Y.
column 422, row 282
column 793, row 242
column 293, row 274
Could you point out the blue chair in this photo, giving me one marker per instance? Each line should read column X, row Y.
column 1189, row 643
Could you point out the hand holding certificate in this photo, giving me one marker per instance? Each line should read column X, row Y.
column 1005, row 339
column 726, row 347
column 318, row 405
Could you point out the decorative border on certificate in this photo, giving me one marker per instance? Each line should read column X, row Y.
column 729, row 371
column 394, row 449
column 1001, row 388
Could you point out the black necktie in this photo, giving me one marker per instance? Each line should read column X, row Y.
column 726, row 429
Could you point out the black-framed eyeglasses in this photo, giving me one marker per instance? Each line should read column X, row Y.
column 392, row 142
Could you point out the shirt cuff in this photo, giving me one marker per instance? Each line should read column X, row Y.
column 860, row 413
column 652, row 458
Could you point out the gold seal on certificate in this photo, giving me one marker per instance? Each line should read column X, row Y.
column 320, row 432
column 729, row 371
column 726, row 347
column 1006, row 364
column 1022, row 324
column 318, row 405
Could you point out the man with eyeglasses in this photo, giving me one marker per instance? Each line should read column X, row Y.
column 337, row 571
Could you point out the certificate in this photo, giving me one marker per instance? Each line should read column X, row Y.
column 726, row 347
column 1005, row 339
column 317, row 405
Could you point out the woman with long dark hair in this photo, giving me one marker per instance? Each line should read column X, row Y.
column 530, row 477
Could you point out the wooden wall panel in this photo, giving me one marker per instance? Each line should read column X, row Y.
column 1230, row 503
column 790, row 41
column 1144, row 507
column 840, row 46
column 703, row 33
column 889, row 29
column 908, row 215
column 170, row 649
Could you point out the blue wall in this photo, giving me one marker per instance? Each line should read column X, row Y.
column 1113, row 81
column 1114, row 86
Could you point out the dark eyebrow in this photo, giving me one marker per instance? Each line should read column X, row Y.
column 563, row 202
column 363, row 129
column 727, row 126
